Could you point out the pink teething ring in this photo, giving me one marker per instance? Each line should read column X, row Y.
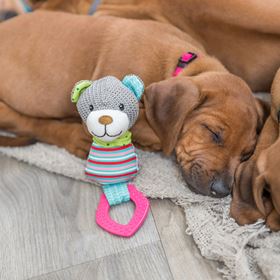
column 104, row 220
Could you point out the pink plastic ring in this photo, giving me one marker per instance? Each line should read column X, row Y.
column 104, row 220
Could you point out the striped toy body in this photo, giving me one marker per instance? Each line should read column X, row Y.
column 112, row 165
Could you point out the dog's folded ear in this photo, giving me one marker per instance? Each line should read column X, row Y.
column 263, row 111
column 258, row 189
column 248, row 202
column 275, row 97
column 167, row 104
column 268, row 165
column 243, row 207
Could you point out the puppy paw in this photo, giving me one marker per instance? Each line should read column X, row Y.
column 74, row 139
column 244, row 214
column 273, row 221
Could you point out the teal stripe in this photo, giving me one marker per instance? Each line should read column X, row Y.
column 111, row 165
column 114, row 181
column 110, row 172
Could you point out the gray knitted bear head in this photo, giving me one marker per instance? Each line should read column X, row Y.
column 108, row 106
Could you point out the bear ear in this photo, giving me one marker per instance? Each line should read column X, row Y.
column 135, row 84
column 78, row 89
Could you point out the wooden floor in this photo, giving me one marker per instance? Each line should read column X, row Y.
column 48, row 232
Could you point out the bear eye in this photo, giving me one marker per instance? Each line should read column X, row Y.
column 91, row 107
column 121, row 106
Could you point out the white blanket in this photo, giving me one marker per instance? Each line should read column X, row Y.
column 249, row 252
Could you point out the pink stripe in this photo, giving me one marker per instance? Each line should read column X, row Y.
column 111, row 168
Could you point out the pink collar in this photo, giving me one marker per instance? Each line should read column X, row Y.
column 183, row 61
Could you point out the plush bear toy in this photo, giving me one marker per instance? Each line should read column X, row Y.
column 109, row 108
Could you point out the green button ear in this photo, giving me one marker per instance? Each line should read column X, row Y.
column 78, row 89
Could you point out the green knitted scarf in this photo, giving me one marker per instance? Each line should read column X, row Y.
column 125, row 139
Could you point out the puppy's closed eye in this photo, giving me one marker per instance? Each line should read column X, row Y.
column 215, row 135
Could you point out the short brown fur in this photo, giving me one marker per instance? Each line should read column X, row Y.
column 39, row 69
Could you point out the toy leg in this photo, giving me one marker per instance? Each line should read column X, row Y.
column 116, row 193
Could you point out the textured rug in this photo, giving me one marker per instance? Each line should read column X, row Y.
column 249, row 252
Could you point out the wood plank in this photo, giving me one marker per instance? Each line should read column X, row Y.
column 183, row 256
column 47, row 223
column 142, row 263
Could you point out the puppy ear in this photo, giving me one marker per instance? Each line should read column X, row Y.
column 135, row 84
column 275, row 97
column 258, row 189
column 267, row 161
column 263, row 111
column 167, row 105
column 243, row 208
column 78, row 89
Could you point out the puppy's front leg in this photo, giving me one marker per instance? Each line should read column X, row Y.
column 273, row 220
column 71, row 136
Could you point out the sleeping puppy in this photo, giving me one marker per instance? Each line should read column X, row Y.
column 200, row 117
column 266, row 188
column 207, row 115
column 230, row 34
column 256, row 192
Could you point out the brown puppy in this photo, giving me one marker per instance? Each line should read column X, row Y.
column 243, row 35
column 256, row 193
column 198, row 112
column 268, row 180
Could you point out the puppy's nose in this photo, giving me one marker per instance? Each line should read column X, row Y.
column 105, row 120
column 219, row 188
